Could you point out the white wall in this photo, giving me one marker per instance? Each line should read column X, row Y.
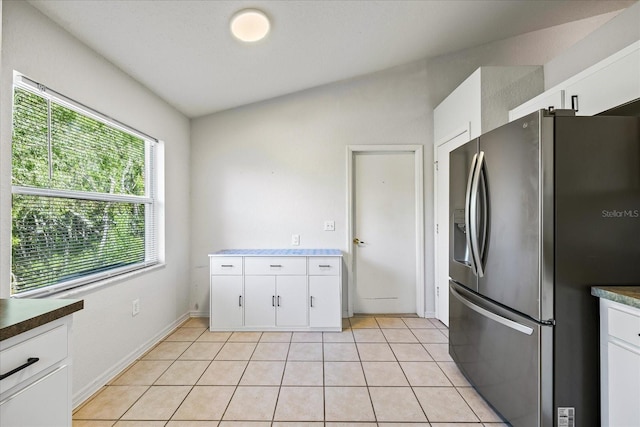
column 615, row 35
column 106, row 336
column 263, row 172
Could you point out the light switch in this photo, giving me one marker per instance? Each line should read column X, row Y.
column 329, row 226
column 295, row 239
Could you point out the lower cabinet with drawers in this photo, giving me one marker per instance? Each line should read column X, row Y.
column 289, row 290
column 35, row 363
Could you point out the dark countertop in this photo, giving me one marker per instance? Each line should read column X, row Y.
column 21, row 315
column 627, row 295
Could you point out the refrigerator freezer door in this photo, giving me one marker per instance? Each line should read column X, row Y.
column 499, row 353
column 461, row 163
column 512, row 248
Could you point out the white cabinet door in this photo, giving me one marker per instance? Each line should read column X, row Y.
column 291, row 301
column 550, row 99
column 226, row 302
column 260, row 301
column 608, row 87
column 325, row 309
column 624, row 386
column 45, row 403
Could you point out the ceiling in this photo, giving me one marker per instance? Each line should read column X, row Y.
column 183, row 51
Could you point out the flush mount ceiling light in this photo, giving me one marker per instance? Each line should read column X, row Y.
column 250, row 25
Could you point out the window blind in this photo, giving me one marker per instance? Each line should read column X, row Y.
column 84, row 203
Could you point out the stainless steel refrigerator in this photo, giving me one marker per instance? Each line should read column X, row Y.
column 541, row 209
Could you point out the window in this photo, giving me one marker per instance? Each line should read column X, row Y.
column 83, row 194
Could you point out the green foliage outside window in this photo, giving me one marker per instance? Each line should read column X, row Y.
column 81, row 231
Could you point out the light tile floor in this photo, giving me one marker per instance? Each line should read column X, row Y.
column 380, row 370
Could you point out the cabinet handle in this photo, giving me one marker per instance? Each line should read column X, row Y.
column 574, row 102
column 311, row 301
column 226, row 265
column 278, row 300
column 239, row 300
column 275, row 265
column 324, row 266
column 273, row 301
column 30, row 361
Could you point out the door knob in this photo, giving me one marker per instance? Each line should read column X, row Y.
column 357, row 241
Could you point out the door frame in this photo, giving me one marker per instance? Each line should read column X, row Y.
column 440, row 256
column 418, row 156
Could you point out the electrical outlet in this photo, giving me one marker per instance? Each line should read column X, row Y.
column 295, row 239
column 135, row 310
column 329, row 226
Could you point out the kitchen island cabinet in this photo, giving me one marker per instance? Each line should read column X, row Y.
column 619, row 354
column 35, row 362
column 274, row 289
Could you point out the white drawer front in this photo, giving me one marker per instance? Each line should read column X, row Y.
column 228, row 266
column 624, row 326
column 49, row 347
column 324, row 266
column 275, row 265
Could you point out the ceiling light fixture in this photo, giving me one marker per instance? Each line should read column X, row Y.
column 250, row 25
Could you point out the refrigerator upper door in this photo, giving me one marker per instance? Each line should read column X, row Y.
column 462, row 162
column 511, row 188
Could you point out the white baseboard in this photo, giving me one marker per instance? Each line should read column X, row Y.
column 82, row 395
column 430, row 314
column 198, row 314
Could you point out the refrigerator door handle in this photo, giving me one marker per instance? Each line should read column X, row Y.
column 473, row 215
column 485, row 216
column 467, row 213
column 486, row 313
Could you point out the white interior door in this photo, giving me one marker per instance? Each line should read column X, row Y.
column 384, row 222
column 442, row 223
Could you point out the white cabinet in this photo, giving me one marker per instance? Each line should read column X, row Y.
column 614, row 82
column 226, row 301
column 325, row 290
column 482, row 102
column 261, row 292
column 275, row 301
column 38, row 392
column 40, row 404
column 620, row 364
column 609, row 83
column 551, row 99
column 226, row 292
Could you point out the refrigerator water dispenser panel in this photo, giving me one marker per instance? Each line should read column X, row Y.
column 460, row 248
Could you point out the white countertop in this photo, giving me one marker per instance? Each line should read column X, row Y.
column 278, row 252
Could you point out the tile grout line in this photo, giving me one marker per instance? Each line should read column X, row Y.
column 284, row 370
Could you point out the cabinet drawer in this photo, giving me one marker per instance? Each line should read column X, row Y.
column 229, row 266
column 49, row 347
column 275, row 265
column 324, row 266
column 624, row 326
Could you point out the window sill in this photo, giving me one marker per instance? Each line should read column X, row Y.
column 97, row 285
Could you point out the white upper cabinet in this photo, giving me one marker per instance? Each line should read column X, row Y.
column 483, row 100
column 611, row 82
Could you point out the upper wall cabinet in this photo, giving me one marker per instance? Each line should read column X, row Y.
column 611, row 82
column 482, row 101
